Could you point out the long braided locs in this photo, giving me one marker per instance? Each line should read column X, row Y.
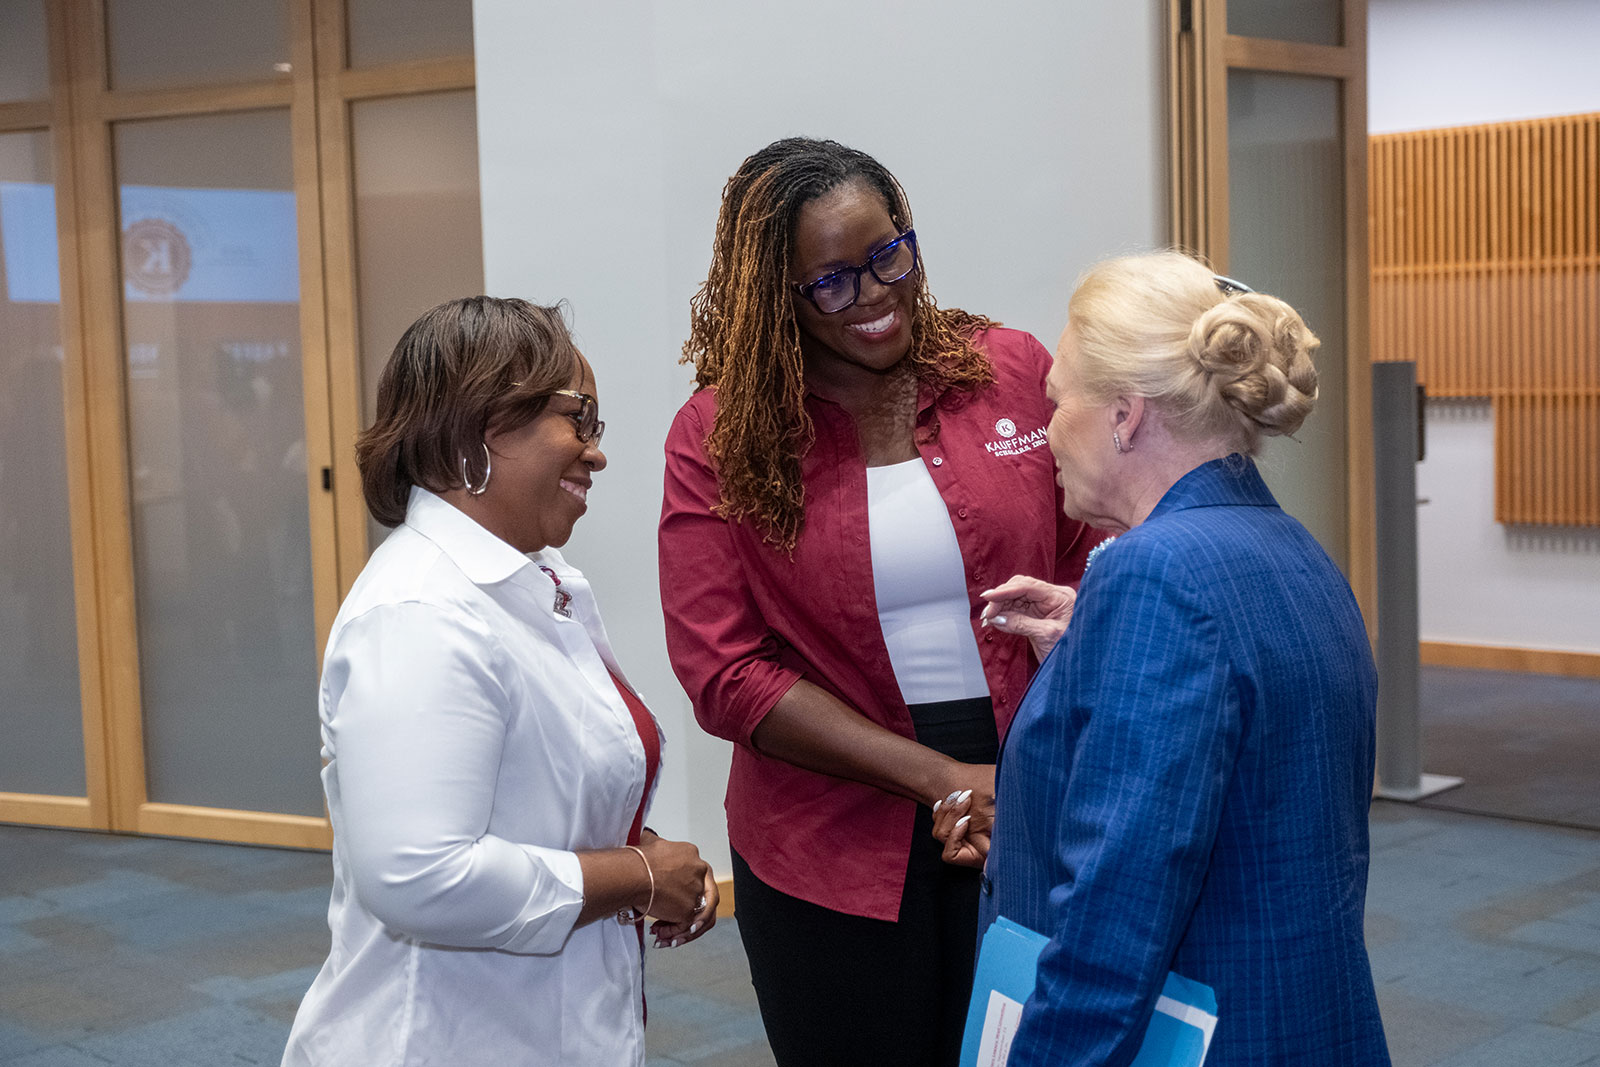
column 744, row 339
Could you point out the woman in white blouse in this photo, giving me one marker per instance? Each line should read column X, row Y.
column 487, row 766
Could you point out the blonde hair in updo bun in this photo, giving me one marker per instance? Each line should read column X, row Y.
column 1233, row 369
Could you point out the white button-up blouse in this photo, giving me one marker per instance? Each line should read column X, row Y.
column 474, row 740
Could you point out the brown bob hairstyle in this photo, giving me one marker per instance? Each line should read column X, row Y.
column 462, row 370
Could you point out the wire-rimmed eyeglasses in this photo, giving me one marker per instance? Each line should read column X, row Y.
column 587, row 418
column 838, row 289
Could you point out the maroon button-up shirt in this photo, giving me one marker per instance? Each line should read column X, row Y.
column 745, row 620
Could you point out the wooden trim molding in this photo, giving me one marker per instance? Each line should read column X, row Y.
column 1185, row 126
column 342, row 327
column 24, row 115
column 305, row 152
column 36, row 809
column 1362, row 517
column 98, row 250
column 1211, row 67
column 1289, row 57
column 170, row 103
column 79, row 443
column 1506, row 658
column 238, row 827
column 725, row 897
column 404, row 79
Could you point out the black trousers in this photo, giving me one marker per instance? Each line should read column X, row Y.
column 839, row 989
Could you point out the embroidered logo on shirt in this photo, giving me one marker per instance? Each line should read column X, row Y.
column 1012, row 443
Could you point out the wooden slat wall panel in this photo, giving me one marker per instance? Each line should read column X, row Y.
column 1485, row 249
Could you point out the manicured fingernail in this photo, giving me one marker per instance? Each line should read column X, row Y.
column 677, row 941
column 999, row 620
column 951, row 799
column 694, row 928
column 962, row 821
column 964, row 795
column 983, row 622
column 937, row 804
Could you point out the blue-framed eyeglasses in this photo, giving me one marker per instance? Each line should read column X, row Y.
column 587, row 418
column 839, row 289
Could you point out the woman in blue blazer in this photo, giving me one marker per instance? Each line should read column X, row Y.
column 1185, row 787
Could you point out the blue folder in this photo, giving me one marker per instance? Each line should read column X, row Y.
column 1008, row 962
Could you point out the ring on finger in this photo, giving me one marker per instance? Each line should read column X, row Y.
column 700, row 904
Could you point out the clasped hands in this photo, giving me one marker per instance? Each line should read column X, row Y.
column 684, row 895
column 963, row 819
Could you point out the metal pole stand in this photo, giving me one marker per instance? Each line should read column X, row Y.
column 1397, row 439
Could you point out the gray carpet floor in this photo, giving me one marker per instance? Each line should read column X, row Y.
column 1527, row 745
column 1484, row 931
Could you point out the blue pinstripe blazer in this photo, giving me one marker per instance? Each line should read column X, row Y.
column 1186, row 788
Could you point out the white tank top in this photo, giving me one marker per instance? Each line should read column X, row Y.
column 921, row 587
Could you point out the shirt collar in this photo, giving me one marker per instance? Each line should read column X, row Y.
column 480, row 555
column 1232, row 481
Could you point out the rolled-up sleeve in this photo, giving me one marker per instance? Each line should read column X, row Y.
column 416, row 727
column 723, row 652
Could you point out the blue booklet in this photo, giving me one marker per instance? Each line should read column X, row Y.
column 1008, row 961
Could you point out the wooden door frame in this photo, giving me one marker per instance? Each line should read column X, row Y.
column 1201, row 52
column 96, row 109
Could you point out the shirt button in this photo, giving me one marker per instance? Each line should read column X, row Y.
column 962, row 512
column 989, row 638
column 938, row 461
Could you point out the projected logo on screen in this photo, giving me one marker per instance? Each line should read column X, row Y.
column 156, row 257
column 229, row 246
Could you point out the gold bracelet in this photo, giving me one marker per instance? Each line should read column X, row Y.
column 629, row 915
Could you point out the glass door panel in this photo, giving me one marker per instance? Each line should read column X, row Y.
column 394, row 31
column 418, row 228
column 42, row 751
column 158, row 44
column 24, row 73
column 1305, row 21
column 222, row 561
column 1286, row 236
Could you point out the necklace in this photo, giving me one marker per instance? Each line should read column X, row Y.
column 563, row 605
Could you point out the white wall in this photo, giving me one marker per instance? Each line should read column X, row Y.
column 1487, row 584
column 1436, row 63
column 1028, row 135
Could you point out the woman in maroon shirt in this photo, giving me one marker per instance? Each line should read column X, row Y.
column 821, row 356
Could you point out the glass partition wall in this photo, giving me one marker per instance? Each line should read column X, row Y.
column 186, row 324
column 39, row 678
